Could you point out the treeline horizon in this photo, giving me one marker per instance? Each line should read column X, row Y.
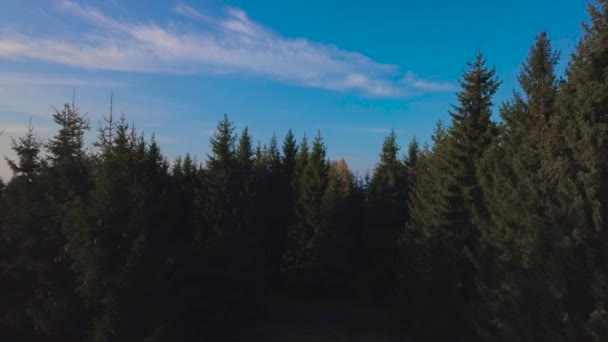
column 495, row 232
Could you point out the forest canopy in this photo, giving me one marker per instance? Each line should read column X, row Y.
column 497, row 231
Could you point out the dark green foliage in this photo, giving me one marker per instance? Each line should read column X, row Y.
column 578, row 176
column 273, row 213
column 220, row 180
column 27, row 267
column 527, row 245
column 340, row 234
column 310, row 186
column 496, row 232
column 449, row 216
column 41, row 206
column 388, row 213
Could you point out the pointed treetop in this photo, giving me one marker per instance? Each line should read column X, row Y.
column 390, row 148
column 222, row 144
column 413, row 152
column 537, row 77
column 274, row 156
column 471, row 118
column 479, row 83
column 27, row 149
column 244, row 152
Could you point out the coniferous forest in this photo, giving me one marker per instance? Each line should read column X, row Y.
column 497, row 230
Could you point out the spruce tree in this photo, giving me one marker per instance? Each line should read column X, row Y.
column 388, row 211
column 68, row 173
column 218, row 199
column 275, row 212
column 304, row 236
column 27, row 256
column 244, row 180
column 528, row 264
column 413, row 154
column 229, row 249
column 290, row 153
column 449, row 216
column 105, row 246
column 577, row 148
column 338, row 236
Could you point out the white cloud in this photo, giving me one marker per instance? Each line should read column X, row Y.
column 233, row 43
column 426, row 85
column 187, row 11
column 17, row 129
column 375, row 130
column 16, row 78
column 371, row 130
column 35, row 94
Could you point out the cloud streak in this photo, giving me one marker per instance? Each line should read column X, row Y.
column 17, row 78
column 187, row 11
column 229, row 44
column 426, row 85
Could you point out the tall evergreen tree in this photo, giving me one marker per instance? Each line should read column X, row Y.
column 290, row 153
column 495, row 233
column 339, row 235
column 305, row 235
column 413, row 154
column 26, row 269
column 244, row 155
column 449, row 214
column 105, row 245
column 69, row 178
column 527, row 246
column 274, row 212
column 230, row 249
column 388, row 211
column 218, row 199
column 577, row 178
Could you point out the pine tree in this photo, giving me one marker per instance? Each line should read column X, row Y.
column 219, row 183
column 577, row 178
column 274, row 212
column 388, row 211
column 230, row 249
column 291, row 160
column 67, row 156
column 290, row 154
column 413, row 154
column 68, row 174
column 411, row 164
column 449, row 217
column 527, row 263
column 28, row 150
column 423, row 271
column 244, row 154
column 301, row 159
column 304, row 236
column 338, row 236
column 245, row 179
column 27, row 256
column 106, row 244
column 185, row 181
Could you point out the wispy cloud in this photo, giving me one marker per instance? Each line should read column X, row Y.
column 232, row 43
column 17, row 129
column 374, row 130
column 426, row 85
column 17, row 78
column 371, row 130
column 187, row 11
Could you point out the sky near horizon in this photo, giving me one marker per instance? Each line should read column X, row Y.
column 349, row 69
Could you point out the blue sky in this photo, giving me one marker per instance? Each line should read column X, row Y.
column 351, row 69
